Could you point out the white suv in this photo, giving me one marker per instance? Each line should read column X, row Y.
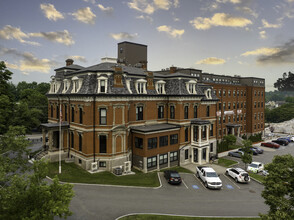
column 255, row 167
column 238, row 175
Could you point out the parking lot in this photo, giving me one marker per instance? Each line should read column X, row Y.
column 192, row 183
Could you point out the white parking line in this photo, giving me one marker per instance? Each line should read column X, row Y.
column 199, row 181
column 232, row 181
column 185, row 184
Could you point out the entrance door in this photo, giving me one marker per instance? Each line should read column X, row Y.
column 195, row 155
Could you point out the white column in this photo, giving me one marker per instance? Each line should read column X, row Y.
column 200, row 156
column 192, row 133
column 200, row 134
column 192, row 154
column 144, row 164
column 207, row 154
column 168, row 159
column 158, row 161
column 207, row 133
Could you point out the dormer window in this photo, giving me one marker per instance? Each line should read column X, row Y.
column 66, row 84
column 191, row 86
column 77, row 84
column 160, row 87
column 55, row 85
column 140, row 86
column 102, row 84
column 208, row 94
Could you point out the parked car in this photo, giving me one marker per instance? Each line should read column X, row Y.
column 259, row 150
column 238, row 174
column 270, row 144
column 281, row 142
column 236, row 153
column 209, row 177
column 172, row 177
column 254, row 151
column 255, row 167
column 291, row 138
column 285, row 138
column 265, row 173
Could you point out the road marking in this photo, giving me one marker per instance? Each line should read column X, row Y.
column 200, row 182
column 232, row 181
column 229, row 186
column 195, row 187
column 185, row 184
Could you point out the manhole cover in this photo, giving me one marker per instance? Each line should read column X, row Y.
column 252, row 191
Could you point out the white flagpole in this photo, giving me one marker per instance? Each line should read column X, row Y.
column 60, row 118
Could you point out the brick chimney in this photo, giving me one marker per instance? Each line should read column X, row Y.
column 118, row 77
column 172, row 69
column 150, row 84
column 69, row 62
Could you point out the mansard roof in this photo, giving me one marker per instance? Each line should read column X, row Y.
column 175, row 84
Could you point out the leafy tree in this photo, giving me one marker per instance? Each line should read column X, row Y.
column 279, row 188
column 13, row 148
column 29, row 118
column 26, row 195
column 286, row 83
column 5, row 76
column 230, row 139
column 43, row 88
column 247, row 156
column 280, row 114
column 290, row 99
column 6, row 113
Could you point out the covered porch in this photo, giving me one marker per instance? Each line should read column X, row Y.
column 55, row 137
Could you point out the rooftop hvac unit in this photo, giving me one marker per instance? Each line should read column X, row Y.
column 94, row 166
column 118, row 171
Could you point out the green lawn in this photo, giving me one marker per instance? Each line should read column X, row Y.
column 232, row 147
column 258, row 177
column 226, row 162
column 164, row 217
column 72, row 173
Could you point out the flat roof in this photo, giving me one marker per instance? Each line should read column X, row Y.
column 200, row 122
column 154, row 127
column 55, row 125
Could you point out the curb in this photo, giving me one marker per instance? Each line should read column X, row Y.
column 191, row 216
column 118, row 186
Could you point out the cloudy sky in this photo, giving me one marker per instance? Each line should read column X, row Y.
column 226, row 37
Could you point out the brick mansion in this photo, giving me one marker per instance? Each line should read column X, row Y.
column 118, row 113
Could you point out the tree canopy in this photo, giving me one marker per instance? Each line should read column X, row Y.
column 279, row 188
column 24, row 104
column 247, row 156
column 286, row 83
column 24, row 193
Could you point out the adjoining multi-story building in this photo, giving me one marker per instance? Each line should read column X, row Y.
column 120, row 114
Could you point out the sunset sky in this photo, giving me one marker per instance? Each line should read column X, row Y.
column 253, row 38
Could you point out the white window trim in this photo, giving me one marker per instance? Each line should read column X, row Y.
column 106, row 83
column 144, row 86
column 55, row 85
column 208, row 93
column 66, row 85
column 160, row 82
column 193, row 82
column 76, row 81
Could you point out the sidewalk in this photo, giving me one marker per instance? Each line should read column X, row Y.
column 218, row 169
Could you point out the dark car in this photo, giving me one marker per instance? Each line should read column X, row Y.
column 259, row 150
column 172, row 177
column 281, row 142
column 254, row 151
column 270, row 144
column 236, row 153
column 285, row 138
